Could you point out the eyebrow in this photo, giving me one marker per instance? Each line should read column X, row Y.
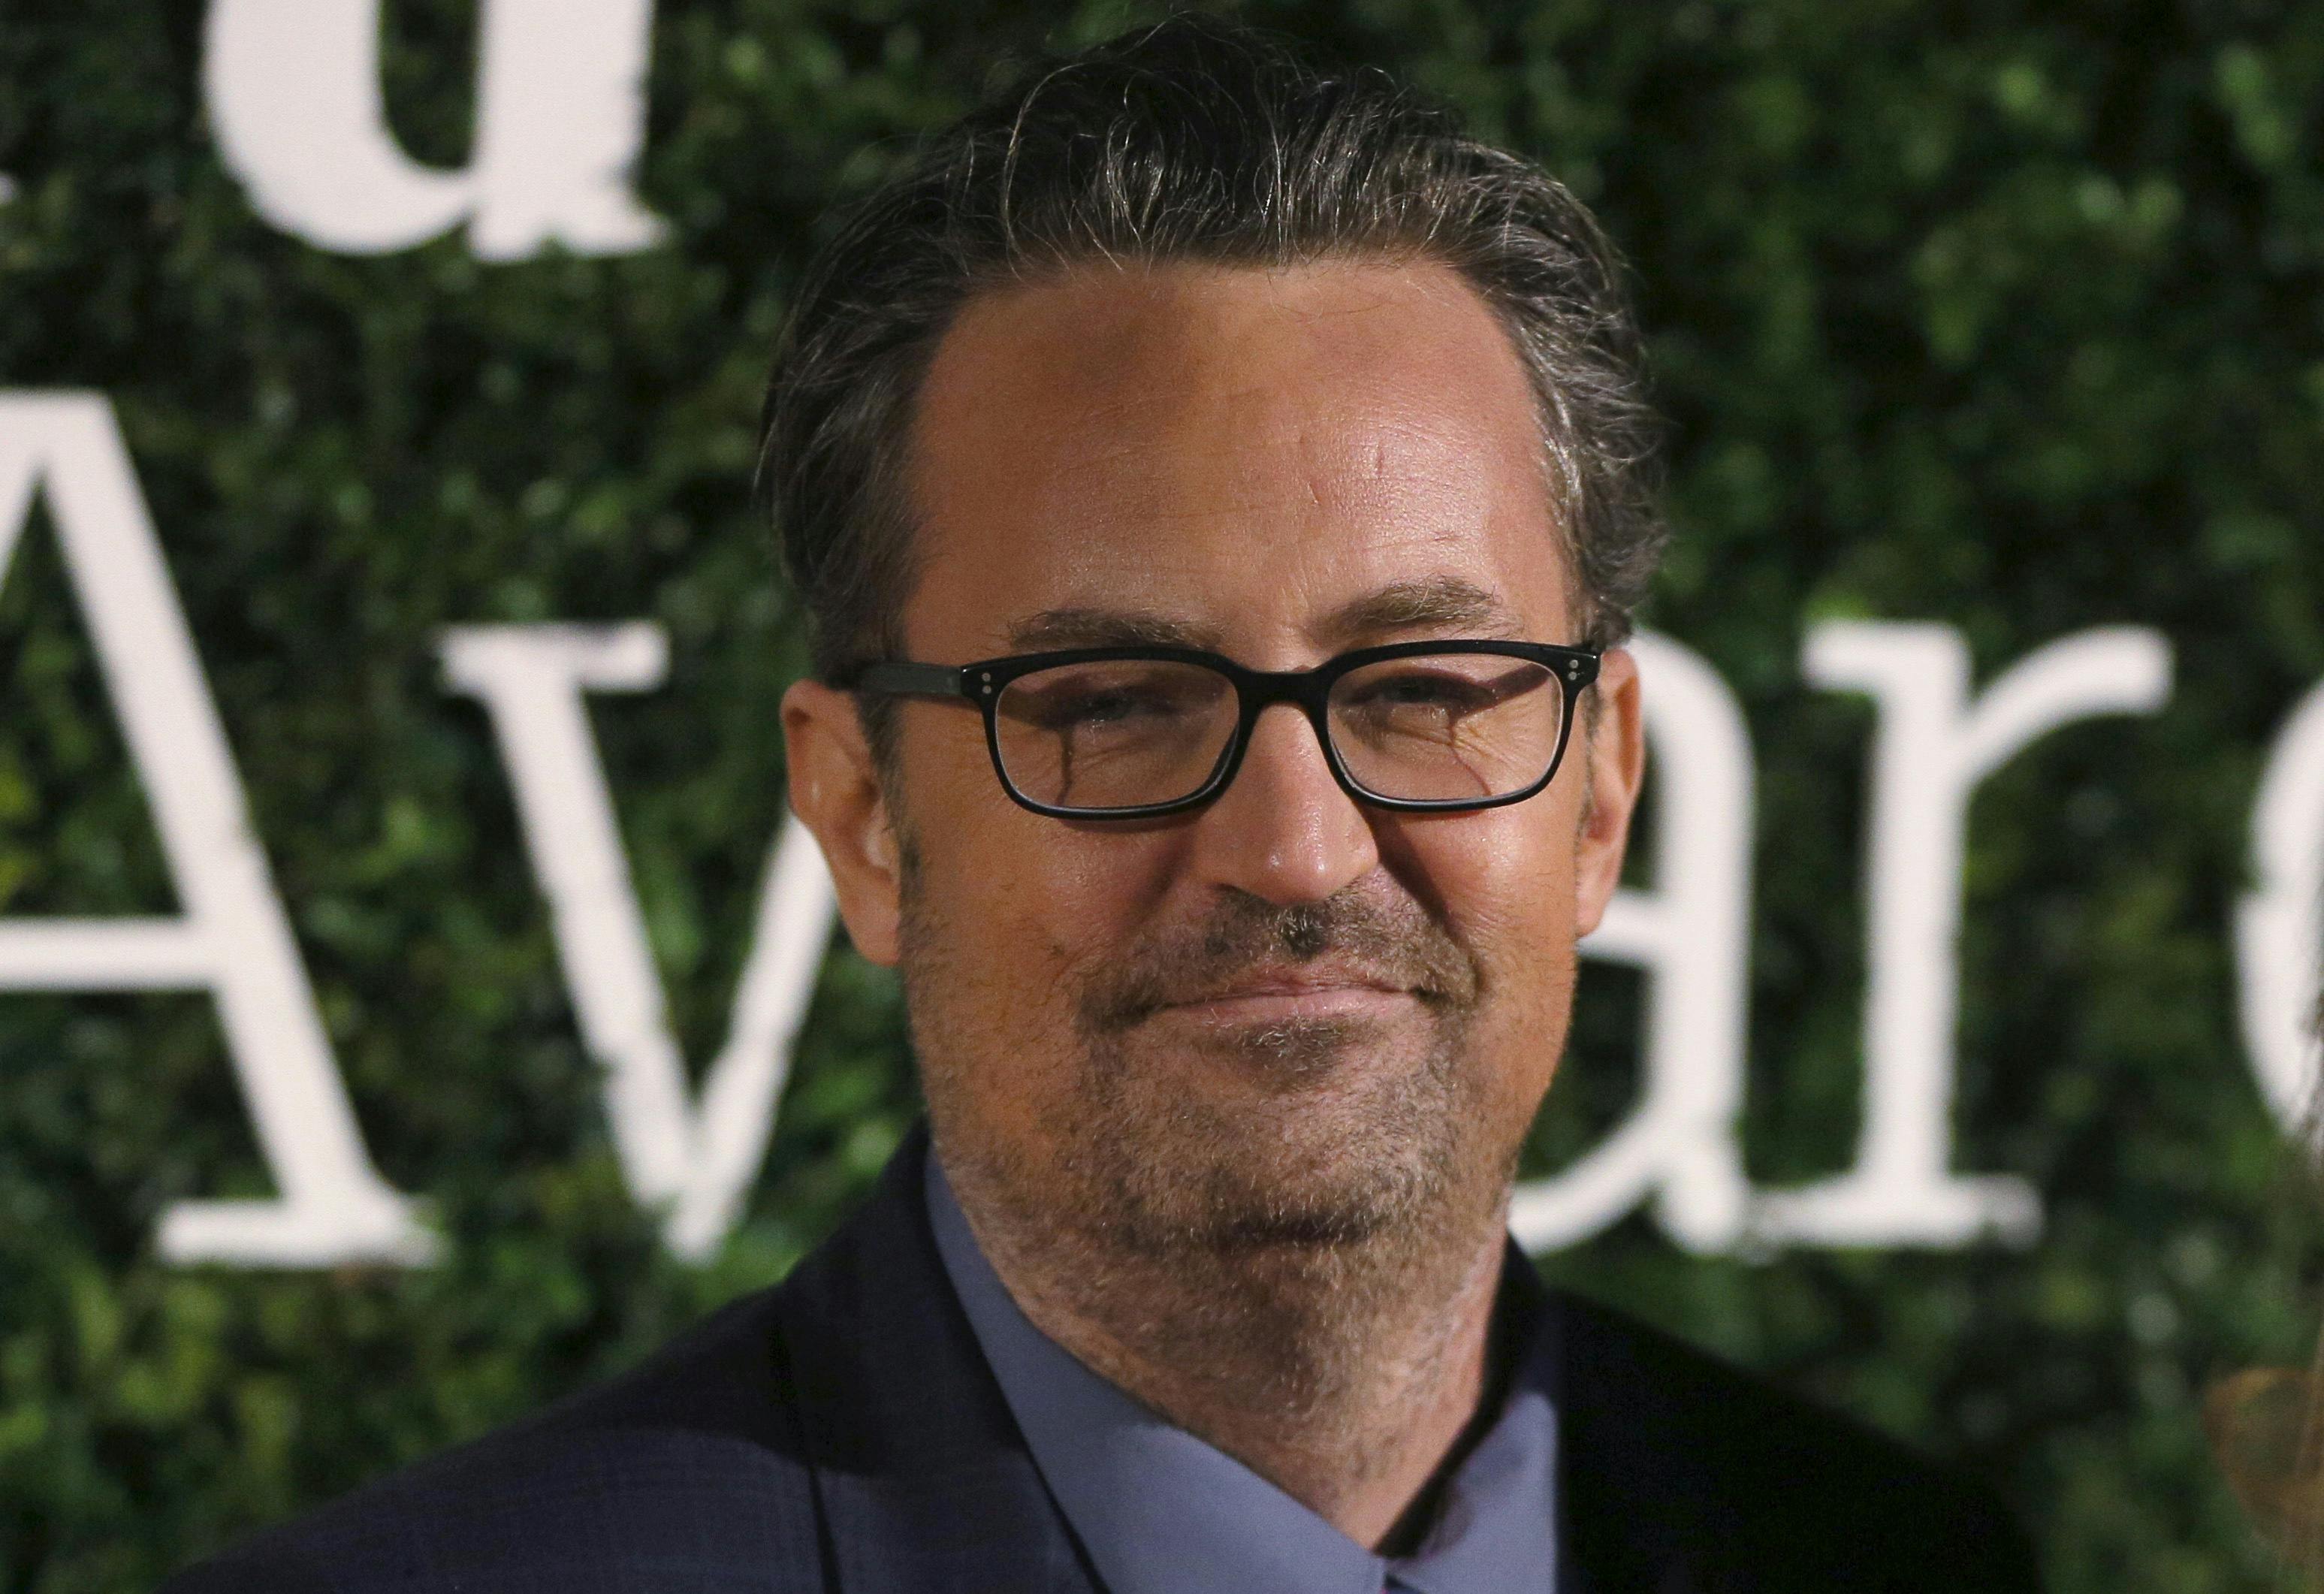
column 1435, row 603
column 1109, row 628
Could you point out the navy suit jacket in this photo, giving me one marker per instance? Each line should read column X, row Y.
column 841, row 1433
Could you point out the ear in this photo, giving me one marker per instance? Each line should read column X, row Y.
column 835, row 791
column 1614, row 771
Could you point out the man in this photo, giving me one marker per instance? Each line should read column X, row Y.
column 1218, row 488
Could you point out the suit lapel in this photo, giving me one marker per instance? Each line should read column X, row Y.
column 923, row 1481
column 924, row 1484
column 1635, row 1514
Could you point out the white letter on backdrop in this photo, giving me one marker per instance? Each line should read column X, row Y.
column 294, row 91
column 700, row 1161
column 233, row 940
column 2280, row 924
column 1933, row 746
column 1691, row 933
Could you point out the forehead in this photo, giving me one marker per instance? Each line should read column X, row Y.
column 1238, row 455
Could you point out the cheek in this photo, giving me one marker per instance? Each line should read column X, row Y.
column 1505, row 888
column 1503, row 881
column 1020, row 919
column 1027, row 903
column 1043, row 889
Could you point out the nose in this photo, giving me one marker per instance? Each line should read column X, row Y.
column 1283, row 829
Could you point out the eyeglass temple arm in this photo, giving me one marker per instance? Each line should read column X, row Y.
column 899, row 679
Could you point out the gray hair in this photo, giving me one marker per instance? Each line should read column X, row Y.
column 1190, row 141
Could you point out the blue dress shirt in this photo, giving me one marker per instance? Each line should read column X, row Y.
column 1162, row 1512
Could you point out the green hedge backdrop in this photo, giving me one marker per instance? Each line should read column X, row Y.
column 1985, row 313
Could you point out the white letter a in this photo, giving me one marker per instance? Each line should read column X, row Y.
column 232, row 939
column 294, row 91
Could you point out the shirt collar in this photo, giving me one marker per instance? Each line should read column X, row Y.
column 1160, row 1511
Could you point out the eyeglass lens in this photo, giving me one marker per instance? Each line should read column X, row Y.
column 1127, row 733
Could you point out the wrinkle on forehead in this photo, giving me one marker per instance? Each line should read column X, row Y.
column 1113, row 438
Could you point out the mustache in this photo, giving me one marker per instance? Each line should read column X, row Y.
column 1391, row 940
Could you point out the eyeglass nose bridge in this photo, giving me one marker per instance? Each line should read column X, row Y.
column 1258, row 690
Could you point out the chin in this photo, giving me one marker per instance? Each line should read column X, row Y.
column 1305, row 1138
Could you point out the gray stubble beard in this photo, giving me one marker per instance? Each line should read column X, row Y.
column 1274, row 1277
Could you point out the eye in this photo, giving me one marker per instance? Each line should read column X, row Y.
column 1111, row 699
column 1422, row 690
column 1112, row 705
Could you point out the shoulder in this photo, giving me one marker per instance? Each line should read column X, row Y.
column 1779, row 1490
column 699, row 1469
column 685, row 1474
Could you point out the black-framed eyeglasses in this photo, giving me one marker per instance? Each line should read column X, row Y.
column 1136, row 732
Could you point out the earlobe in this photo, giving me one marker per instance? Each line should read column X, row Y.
column 835, row 791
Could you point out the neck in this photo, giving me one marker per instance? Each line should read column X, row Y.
column 1343, row 1373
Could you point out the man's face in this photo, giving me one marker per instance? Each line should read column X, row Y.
column 1283, row 1017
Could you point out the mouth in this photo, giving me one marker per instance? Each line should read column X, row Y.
column 1277, row 995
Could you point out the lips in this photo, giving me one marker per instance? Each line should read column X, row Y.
column 1358, row 955
column 1291, row 988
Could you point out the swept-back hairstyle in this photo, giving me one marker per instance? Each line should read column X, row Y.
column 1191, row 141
